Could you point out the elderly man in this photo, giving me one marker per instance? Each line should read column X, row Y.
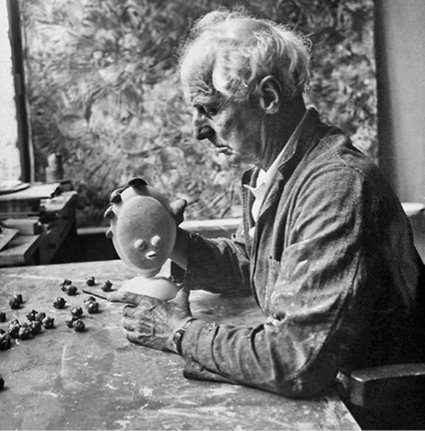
column 324, row 247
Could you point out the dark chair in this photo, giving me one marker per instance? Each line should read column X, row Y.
column 386, row 397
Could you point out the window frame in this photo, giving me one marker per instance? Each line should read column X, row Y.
column 18, row 71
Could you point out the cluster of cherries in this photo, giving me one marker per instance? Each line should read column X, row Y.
column 90, row 303
column 22, row 330
column 37, row 320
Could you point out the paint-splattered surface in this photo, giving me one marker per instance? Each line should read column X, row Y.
column 96, row 379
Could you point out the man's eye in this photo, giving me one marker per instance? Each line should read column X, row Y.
column 209, row 111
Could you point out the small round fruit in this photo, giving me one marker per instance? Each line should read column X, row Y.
column 92, row 307
column 71, row 290
column 14, row 303
column 90, row 299
column 91, row 281
column 48, row 322
column 4, row 341
column 13, row 330
column 66, row 282
column 24, row 333
column 59, row 302
column 106, row 286
column 35, row 327
column 79, row 325
column 71, row 321
column 40, row 315
column 31, row 315
column 77, row 311
column 18, row 297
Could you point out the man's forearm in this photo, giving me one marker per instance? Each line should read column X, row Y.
column 217, row 265
column 179, row 254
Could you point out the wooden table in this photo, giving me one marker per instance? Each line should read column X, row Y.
column 96, row 379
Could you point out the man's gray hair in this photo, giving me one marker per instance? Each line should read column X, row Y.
column 243, row 50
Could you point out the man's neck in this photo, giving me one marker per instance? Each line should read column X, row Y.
column 285, row 122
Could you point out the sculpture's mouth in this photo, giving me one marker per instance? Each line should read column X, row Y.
column 151, row 255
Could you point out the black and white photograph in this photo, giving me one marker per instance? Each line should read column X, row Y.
column 212, row 215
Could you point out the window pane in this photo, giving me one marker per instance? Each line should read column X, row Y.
column 10, row 168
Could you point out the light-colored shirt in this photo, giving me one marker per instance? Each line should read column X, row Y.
column 265, row 178
column 259, row 191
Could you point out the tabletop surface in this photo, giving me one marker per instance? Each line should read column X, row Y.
column 97, row 379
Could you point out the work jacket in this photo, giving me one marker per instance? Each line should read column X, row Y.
column 331, row 264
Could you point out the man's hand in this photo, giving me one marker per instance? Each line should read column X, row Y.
column 179, row 253
column 150, row 321
column 177, row 209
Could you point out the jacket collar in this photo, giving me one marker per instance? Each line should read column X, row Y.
column 301, row 141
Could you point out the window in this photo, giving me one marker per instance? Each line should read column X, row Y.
column 10, row 164
column 102, row 90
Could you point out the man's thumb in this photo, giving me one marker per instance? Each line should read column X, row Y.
column 177, row 209
column 182, row 297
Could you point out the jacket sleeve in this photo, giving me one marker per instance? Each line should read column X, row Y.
column 218, row 265
column 321, row 298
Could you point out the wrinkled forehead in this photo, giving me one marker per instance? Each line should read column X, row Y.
column 196, row 70
column 215, row 43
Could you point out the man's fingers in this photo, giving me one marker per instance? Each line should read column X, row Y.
column 128, row 310
column 122, row 296
column 115, row 195
column 134, row 338
column 127, row 324
column 144, row 308
column 178, row 208
column 130, row 298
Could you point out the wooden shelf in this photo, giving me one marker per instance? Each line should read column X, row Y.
column 40, row 249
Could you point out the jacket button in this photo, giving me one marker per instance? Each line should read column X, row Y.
column 211, row 326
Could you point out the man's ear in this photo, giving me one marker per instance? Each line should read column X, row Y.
column 270, row 94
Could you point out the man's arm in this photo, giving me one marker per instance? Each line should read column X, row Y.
column 179, row 254
column 332, row 288
column 218, row 265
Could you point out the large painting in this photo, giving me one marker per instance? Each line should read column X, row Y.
column 103, row 91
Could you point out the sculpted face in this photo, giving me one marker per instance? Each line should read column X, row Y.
column 234, row 128
column 142, row 229
column 143, row 232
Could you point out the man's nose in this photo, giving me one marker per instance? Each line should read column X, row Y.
column 201, row 129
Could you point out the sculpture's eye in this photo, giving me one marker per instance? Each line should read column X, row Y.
column 156, row 241
column 140, row 244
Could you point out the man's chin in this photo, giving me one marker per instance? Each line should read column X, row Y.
column 227, row 154
column 234, row 159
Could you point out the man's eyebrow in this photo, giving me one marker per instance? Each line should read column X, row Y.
column 199, row 98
